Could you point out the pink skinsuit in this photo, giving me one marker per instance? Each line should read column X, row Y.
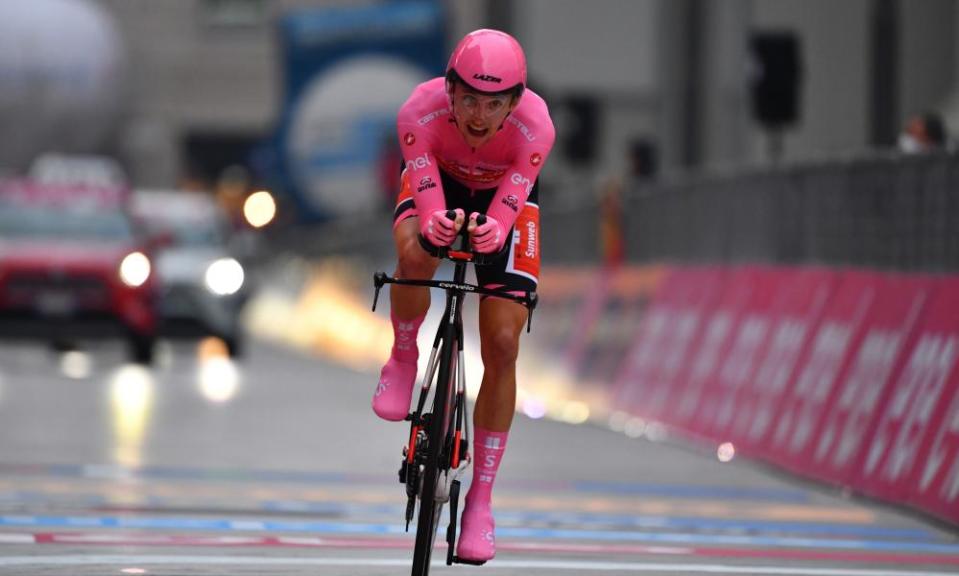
column 510, row 161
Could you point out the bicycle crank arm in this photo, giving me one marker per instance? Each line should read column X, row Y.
column 451, row 530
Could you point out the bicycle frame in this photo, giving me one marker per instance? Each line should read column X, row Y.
column 433, row 477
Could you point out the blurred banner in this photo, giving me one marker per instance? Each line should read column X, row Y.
column 347, row 72
column 847, row 376
column 669, row 329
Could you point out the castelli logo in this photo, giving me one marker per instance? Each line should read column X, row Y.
column 431, row 116
column 409, row 139
column 523, row 128
column 536, row 159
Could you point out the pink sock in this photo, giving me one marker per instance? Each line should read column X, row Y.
column 488, row 449
column 391, row 399
column 404, row 338
column 477, row 541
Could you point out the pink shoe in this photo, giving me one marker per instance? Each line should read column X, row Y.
column 476, row 541
column 391, row 400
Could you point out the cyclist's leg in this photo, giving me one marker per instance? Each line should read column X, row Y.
column 408, row 306
column 501, row 322
column 408, row 302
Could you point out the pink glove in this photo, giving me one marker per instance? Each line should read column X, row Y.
column 440, row 230
column 488, row 237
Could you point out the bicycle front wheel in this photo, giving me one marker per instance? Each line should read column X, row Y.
column 427, row 522
column 428, row 519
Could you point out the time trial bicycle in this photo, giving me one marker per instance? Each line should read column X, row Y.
column 437, row 453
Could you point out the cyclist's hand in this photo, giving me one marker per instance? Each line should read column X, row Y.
column 488, row 237
column 440, row 230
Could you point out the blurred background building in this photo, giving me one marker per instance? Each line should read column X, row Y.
column 181, row 90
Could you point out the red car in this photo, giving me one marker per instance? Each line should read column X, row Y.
column 72, row 266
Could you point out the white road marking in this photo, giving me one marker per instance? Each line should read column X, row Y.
column 17, row 538
column 501, row 564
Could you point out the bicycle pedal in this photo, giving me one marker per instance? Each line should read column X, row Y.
column 458, row 560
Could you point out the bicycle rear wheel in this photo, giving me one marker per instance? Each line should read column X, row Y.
column 428, row 519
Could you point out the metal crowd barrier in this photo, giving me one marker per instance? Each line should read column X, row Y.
column 888, row 212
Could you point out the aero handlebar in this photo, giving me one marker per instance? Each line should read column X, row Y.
column 463, row 255
column 460, row 257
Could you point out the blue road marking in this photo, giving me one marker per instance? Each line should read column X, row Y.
column 598, row 520
column 507, row 532
column 593, row 520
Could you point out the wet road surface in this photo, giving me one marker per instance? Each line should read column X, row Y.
column 275, row 465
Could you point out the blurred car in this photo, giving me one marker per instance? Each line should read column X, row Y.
column 73, row 267
column 202, row 283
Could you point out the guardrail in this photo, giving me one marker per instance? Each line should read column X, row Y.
column 888, row 211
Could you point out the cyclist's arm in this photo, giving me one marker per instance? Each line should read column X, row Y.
column 516, row 186
column 421, row 169
column 534, row 140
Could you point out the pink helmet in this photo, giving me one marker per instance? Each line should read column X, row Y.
column 489, row 61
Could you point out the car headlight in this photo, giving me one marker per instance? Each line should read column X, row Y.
column 259, row 209
column 135, row 269
column 224, row 277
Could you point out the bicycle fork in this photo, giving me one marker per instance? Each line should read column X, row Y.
column 460, row 457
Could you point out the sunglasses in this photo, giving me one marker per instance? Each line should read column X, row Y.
column 485, row 106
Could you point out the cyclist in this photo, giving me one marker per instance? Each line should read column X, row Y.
column 474, row 142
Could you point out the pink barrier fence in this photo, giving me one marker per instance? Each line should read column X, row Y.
column 815, row 385
column 667, row 332
column 915, row 406
column 797, row 307
column 861, row 387
column 933, row 483
column 849, row 377
column 715, row 353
